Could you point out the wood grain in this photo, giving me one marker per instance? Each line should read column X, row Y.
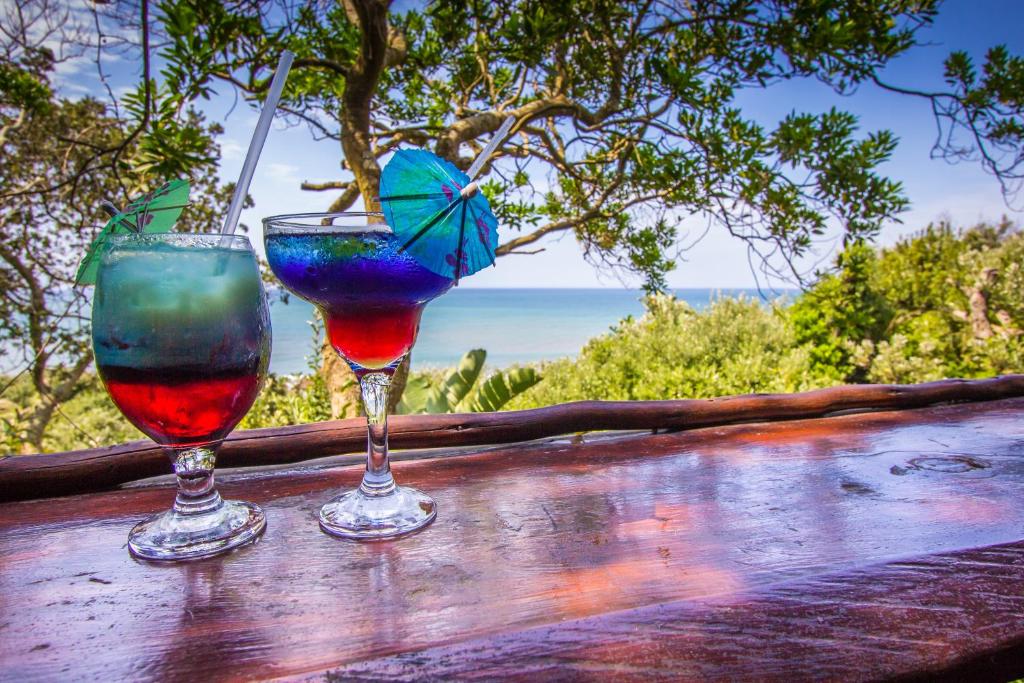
column 721, row 548
column 953, row 616
column 37, row 476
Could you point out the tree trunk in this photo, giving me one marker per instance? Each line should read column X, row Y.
column 50, row 398
column 977, row 301
column 375, row 48
column 341, row 384
column 371, row 16
column 346, row 400
column 398, row 381
column 38, row 421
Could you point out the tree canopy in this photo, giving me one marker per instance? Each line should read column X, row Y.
column 626, row 115
column 59, row 159
column 627, row 126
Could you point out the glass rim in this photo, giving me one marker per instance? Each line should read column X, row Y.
column 206, row 239
column 314, row 221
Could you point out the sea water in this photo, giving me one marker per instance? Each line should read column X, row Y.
column 512, row 325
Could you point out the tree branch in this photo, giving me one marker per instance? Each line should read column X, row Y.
column 13, row 125
column 474, row 126
column 555, row 226
column 328, row 185
column 346, row 200
column 34, row 323
column 327, row 64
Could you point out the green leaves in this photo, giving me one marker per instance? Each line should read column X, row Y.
column 633, row 121
column 983, row 115
column 462, row 392
column 421, row 395
column 498, row 390
column 905, row 313
column 22, row 89
column 460, row 382
column 735, row 346
column 60, row 158
column 171, row 141
column 201, row 34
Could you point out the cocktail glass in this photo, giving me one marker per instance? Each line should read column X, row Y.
column 181, row 335
column 371, row 294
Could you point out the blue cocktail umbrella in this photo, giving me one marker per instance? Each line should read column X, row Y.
column 154, row 211
column 438, row 211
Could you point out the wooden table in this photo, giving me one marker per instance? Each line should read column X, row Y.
column 863, row 546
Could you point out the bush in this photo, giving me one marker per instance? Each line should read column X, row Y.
column 736, row 346
column 88, row 420
column 942, row 303
column 289, row 400
column 465, row 389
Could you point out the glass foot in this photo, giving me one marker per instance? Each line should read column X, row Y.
column 358, row 516
column 174, row 536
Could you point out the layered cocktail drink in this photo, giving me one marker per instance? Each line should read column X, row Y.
column 371, row 294
column 181, row 335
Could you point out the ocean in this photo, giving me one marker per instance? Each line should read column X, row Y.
column 512, row 325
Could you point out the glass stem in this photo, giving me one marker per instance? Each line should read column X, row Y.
column 194, row 469
column 378, row 480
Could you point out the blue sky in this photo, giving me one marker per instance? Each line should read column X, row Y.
column 961, row 193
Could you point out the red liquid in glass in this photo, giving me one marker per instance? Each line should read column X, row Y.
column 373, row 337
column 181, row 407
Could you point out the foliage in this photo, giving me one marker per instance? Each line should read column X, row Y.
column 464, row 389
column 87, row 420
column 839, row 307
column 297, row 399
column 289, row 400
column 627, row 111
column 59, row 159
column 899, row 315
column 736, row 346
column 941, row 303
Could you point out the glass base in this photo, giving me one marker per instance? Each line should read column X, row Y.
column 175, row 536
column 358, row 516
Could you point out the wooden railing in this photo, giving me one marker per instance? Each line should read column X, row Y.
column 56, row 474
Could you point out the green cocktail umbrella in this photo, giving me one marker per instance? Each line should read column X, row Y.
column 154, row 211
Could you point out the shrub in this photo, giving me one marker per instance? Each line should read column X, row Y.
column 736, row 346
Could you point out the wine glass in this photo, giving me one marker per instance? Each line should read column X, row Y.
column 181, row 335
column 371, row 294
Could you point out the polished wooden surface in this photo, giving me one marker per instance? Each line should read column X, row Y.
column 954, row 616
column 833, row 546
column 95, row 469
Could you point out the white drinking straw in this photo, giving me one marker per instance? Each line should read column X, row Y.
column 498, row 138
column 256, row 144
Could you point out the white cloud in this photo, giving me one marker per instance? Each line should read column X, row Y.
column 231, row 149
column 282, row 172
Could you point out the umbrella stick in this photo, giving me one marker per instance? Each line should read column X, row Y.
column 498, row 138
column 403, row 197
column 431, row 223
column 462, row 233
